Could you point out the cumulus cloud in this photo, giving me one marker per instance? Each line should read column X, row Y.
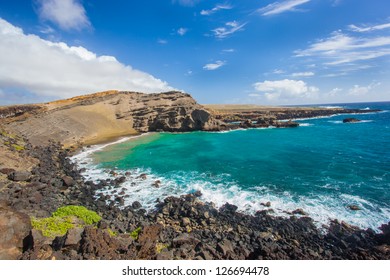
column 214, row 66
column 281, row 7
column 286, row 89
column 67, row 14
column 216, row 9
column 47, row 68
column 182, row 31
column 227, row 30
column 357, row 90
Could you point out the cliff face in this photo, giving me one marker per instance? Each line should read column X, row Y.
column 101, row 116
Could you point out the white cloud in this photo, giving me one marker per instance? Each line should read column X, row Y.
column 357, row 90
column 182, row 31
column 286, row 89
column 355, row 28
column 228, row 50
column 302, row 74
column 67, row 14
column 53, row 69
column 334, row 92
column 278, row 71
column 340, row 48
column 281, row 7
column 229, row 28
column 215, row 65
column 215, row 9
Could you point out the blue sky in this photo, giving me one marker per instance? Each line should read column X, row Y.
column 233, row 51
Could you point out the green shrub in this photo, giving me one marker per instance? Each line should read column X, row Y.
column 111, row 232
column 53, row 226
column 63, row 219
column 135, row 233
column 89, row 217
column 18, row 147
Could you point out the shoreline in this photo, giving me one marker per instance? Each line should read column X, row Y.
column 179, row 228
column 282, row 212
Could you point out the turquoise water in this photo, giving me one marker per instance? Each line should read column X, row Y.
column 322, row 167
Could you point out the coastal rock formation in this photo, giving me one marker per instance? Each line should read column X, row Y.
column 14, row 228
column 180, row 227
column 351, row 120
column 262, row 116
column 101, row 116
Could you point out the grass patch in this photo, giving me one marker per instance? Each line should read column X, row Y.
column 135, row 233
column 18, row 147
column 111, row 232
column 160, row 247
column 53, row 226
column 89, row 217
column 65, row 218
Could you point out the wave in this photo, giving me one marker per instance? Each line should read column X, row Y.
column 84, row 155
column 331, row 107
column 306, row 124
column 220, row 189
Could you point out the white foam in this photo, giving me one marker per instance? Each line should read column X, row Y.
column 84, row 155
column 337, row 122
column 221, row 189
column 306, row 124
column 331, row 107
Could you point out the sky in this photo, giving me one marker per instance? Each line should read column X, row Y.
column 271, row 52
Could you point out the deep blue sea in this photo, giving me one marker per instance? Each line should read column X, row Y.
column 323, row 166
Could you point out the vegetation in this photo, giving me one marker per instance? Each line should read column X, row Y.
column 65, row 218
column 89, row 217
column 160, row 247
column 18, row 147
column 53, row 226
column 111, row 232
column 135, row 233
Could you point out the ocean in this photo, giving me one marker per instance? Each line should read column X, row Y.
column 322, row 167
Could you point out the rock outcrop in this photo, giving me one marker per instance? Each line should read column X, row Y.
column 351, row 120
column 99, row 117
column 14, row 229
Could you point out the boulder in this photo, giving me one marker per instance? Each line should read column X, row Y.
column 68, row 181
column 354, row 207
column 156, row 184
column 19, row 176
column 73, row 236
column 15, row 228
column 351, row 120
column 299, row 212
column 224, row 247
column 267, row 204
column 136, row 205
column 7, row 171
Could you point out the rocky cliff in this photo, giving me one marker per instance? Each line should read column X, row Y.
column 101, row 116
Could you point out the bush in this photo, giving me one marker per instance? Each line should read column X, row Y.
column 65, row 218
column 135, row 233
column 89, row 217
column 53, row 226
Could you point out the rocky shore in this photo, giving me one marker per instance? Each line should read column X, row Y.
column 179, row 228
column 37, row 179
